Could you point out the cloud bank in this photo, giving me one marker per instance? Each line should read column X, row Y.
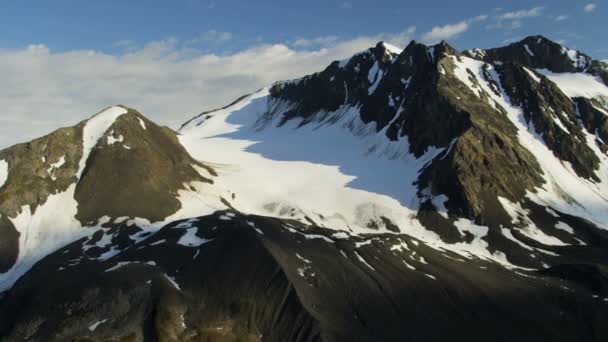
column 167, row 80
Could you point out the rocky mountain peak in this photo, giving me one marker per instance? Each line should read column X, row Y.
column 537, row 52
column 137, row 168
column 117, row 164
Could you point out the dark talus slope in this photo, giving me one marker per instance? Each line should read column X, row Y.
column 234, row 277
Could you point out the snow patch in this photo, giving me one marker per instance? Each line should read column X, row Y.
column 363, row 243
column 303, row 259
column 112, row 140
column 392, row 48
column 577, row 84
column 252, row 225
column 190, row 239
column 565, row 227
column 54, row 167
column 3, row 172
column 94, row 326
column 439, row 204
column 374, row 76
column 94, row 130
column 532, row 74
column 119, row 265
column 552, row 212
column 364, row 261
column 525, row 226
column 409, row 266
column 173, row 282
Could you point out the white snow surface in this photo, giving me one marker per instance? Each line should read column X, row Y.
column 94, row 326
column 392, row 48
column 342, row 174
column 533, row 75
column 173, row 282
column 43, row 232
column 374, row 77
column 3, row 172
column 287, row 171
column 112, row 139
column 190, row 239
column 94, row 130
column 577, row 84
column 55, row 166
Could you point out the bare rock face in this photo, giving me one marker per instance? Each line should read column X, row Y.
column 135, row 170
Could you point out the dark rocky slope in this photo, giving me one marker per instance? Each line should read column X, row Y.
column 251, row 278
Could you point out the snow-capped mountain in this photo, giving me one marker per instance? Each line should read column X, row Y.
column 417, row 194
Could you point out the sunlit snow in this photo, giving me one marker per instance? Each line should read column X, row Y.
column 577, row 84
column 3, row 172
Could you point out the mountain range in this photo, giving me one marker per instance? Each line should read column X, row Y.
column 423, row 194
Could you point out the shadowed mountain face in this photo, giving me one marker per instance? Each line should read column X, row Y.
column 233, row 277
column 421, row 194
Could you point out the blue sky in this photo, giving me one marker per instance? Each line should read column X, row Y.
column 108, row 25
column 64, row 60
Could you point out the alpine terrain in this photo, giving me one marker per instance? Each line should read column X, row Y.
column 423, row 194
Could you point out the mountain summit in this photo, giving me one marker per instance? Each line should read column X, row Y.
column 396, row 195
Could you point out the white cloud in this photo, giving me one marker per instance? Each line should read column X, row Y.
column 318, row 41
column 124, row 43
column 438, row 33
column 521, row 14
column 514, row 20
column 561, row 17
column 479, row 18
column 212, row 36
column 515, row 24
column 445, row 32
column 42, row 90
column 346, row 5
column 589, row 7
